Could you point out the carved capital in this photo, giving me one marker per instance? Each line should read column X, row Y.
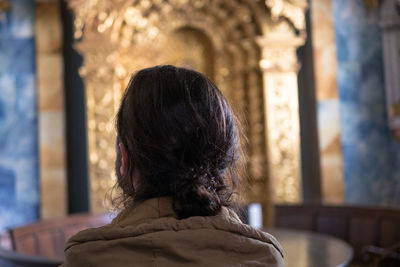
column 279, row 52
column 292, row 10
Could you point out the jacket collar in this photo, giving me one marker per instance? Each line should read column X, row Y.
column 154, row 208
column 144, row 211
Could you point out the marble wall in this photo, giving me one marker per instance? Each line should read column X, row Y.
column 371, row 155
column 19, row 190
column 325, row 62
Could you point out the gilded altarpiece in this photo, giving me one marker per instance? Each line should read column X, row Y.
column 247, row 47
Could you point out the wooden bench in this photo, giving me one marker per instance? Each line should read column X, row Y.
column 42, row 243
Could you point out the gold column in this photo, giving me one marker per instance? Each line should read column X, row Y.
column 279, row 66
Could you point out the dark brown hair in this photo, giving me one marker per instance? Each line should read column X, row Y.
column 182, row 139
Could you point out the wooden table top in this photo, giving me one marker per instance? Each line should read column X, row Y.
column 308, row 249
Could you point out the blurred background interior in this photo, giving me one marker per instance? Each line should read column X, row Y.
column 316, row 84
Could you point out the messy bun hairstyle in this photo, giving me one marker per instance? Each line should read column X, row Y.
column 182, row 139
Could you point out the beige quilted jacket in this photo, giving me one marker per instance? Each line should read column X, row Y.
column 149, row 234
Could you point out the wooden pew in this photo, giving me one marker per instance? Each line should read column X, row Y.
column 47, row 238
column 42, row 243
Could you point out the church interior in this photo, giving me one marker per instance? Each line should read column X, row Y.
column 315, row 83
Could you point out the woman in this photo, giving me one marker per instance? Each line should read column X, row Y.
column 177, row 154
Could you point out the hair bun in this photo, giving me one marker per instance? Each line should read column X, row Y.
column 196, row 195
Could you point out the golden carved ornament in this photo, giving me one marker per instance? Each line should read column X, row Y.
column 293, row 10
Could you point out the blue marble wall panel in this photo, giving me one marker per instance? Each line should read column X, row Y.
column 371, row 156
column 19, row 191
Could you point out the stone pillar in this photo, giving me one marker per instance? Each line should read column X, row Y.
column 279, row 66
column 49, row 62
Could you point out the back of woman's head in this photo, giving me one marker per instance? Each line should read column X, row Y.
column 182, row 140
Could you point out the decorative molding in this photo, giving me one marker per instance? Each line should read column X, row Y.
column 292, row 10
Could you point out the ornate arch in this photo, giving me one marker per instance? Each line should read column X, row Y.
column 254, row 43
